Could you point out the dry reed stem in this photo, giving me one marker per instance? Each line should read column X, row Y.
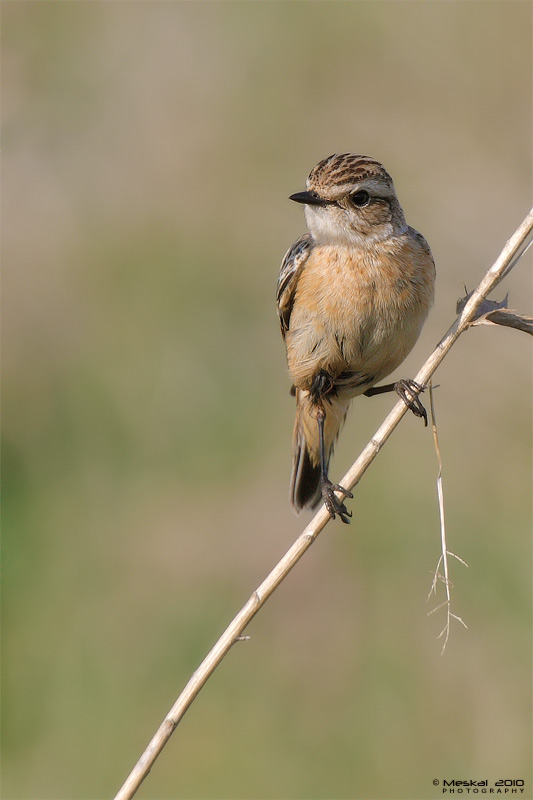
column 512, row 251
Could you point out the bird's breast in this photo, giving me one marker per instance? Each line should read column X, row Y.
column 358, row 310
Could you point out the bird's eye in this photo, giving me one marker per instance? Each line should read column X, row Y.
column 360, row 199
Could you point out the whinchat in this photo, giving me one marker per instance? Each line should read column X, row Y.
column 352, row 297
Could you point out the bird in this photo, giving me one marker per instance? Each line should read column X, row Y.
column 352, row 296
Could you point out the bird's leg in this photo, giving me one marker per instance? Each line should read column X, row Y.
column 333, row 504
column 408, row 390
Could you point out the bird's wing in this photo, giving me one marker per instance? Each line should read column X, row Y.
column 422, row 242
column 291, row 269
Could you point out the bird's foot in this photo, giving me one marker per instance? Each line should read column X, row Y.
column 409, row 390
column 333, row 503
column 323, row 385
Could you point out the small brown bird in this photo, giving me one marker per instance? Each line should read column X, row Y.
column 352, row 297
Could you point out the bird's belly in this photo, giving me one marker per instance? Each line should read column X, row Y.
column 357, row 323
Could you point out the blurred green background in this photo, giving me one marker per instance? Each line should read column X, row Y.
column 149, row 150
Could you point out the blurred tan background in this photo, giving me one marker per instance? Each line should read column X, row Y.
column 149, row 151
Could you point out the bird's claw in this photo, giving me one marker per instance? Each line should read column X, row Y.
column 409, row 390
column 333, row 503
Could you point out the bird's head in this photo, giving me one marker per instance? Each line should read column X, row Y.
column 350, row 199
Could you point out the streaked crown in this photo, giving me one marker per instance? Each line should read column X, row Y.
column 340, row 174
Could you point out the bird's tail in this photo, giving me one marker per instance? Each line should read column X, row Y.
column 305, row 489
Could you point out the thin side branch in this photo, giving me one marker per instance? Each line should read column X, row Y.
column 509, row 256
column 443, row 558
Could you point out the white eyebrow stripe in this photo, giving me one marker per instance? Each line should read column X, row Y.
column 373, row 187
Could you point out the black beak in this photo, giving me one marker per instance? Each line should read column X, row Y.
column 309, row 199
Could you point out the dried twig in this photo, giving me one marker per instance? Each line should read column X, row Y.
column 490, row 312
column 509, row 256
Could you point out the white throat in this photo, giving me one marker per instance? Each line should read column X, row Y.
column 328, row 228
